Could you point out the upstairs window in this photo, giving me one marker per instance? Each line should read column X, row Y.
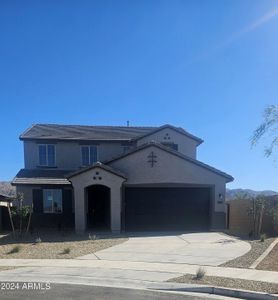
column 89, row 155
column 171, row 145
column 52, row 201
column 47, row 155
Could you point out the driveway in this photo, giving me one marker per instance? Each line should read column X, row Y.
column 210, row 248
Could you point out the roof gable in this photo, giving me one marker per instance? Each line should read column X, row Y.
column 176, row 153
column 177, row 129
column 97, row 165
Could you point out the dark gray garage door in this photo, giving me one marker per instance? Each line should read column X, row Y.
column 155, row 209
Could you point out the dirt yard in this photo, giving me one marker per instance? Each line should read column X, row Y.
column 55, row 245
column 252, row 285
column 270, row 263
column 245, row 261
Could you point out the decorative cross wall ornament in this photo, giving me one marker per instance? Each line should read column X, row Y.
column 152, row 159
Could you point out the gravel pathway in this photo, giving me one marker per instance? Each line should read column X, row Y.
column 245, row 261
column 252, row 285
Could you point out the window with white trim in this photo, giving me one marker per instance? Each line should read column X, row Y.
column 47, row 155
column 88, row 155
column 52, row 201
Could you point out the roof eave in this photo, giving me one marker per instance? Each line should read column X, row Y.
column 70, row 139
column 39, row 181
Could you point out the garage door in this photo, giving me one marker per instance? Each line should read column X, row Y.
column 152, row 209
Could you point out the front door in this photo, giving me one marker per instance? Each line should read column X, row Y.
column 98, row 213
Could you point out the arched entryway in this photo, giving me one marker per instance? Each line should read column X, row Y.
column 98, row 207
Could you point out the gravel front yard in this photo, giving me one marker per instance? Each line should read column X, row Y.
column 270, row 263
column 257, row 286
column 245, row 261
column 54, row 245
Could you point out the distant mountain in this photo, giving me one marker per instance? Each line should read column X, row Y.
column 6, row 188
column 233, row 193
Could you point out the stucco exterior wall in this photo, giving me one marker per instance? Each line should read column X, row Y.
column 170, row 169
column 68, row 154
column 27, row 192
column 108, row 179
column 185, row 144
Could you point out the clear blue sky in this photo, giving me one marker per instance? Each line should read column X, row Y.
column 208, row 66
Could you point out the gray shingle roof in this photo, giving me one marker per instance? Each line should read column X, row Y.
column 52, row 176
column 86, row 133
column 41, row 176
column 82, row 132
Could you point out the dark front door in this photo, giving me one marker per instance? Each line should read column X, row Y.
column 98, row 215
column 154, row 209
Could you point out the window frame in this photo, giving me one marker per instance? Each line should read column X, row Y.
column 89, row 151
column 52, row 206
column 47, row 159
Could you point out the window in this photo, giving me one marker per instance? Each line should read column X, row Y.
column 171, row 145
column 89, row 155
column 47, row 155
column 52, row 201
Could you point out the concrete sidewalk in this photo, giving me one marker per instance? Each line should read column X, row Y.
column 127, row 269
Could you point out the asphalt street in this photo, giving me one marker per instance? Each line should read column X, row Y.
column 82, row 292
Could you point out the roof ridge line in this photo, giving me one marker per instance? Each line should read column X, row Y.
column 85, row 125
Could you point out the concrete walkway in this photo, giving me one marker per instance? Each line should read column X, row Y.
column 209, row 248
column 139, row 271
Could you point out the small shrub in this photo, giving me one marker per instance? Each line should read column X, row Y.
column 15, row 249
column 200, row 273
column 66, row 251
column 262, row 237
column 38, row 240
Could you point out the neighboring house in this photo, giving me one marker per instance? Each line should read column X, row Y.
column 120, row 179
column 4, row 201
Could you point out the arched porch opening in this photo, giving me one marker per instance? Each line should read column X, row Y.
column 98, row 207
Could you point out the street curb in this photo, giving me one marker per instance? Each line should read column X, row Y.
column 221, row 291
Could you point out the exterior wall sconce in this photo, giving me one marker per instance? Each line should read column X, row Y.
column 220, row 201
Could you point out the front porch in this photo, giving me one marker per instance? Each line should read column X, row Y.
column 97, row 194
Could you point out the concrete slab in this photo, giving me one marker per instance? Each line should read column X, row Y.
column 209, row 249
column 139, row 271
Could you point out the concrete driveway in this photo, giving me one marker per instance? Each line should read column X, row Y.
column 210, row 248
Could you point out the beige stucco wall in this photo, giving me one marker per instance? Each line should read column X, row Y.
column 169, row 169
column 186, row 145
column 84, row 180
column 68, row 154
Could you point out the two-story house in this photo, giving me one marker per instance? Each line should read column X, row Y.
column 119, row 179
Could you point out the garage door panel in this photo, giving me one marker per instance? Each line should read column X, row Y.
column 167, row 208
